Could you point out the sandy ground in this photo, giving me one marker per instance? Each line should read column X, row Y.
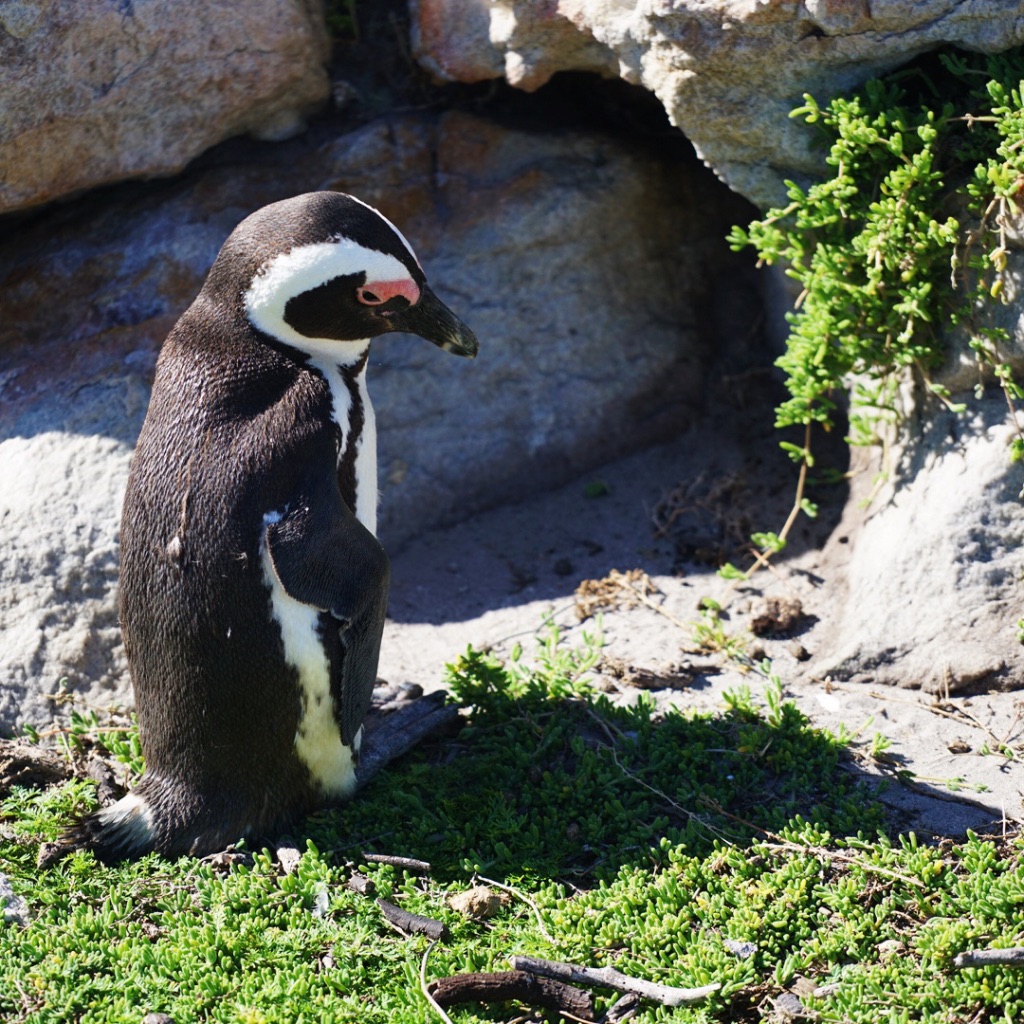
column 498, row 578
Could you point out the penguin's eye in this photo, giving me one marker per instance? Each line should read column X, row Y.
column 368, row 298
column 388, row 296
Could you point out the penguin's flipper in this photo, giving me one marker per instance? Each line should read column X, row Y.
column 324, row 557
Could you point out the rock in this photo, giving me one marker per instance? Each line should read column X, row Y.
column 931, row 567
column 587, row 270
column 12, row 906
column 728, row 72
column 776, row 614
column 96, row 92
column 478, row 902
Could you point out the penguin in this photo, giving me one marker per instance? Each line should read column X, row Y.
column 253, row 589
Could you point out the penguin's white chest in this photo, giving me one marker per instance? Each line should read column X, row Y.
column 318, row 743
column 331, row 764
column 352, row 413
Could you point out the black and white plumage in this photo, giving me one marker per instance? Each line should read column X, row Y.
column 253, row 588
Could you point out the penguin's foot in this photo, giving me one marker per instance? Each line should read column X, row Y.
column 398, row 732
column 122, row 831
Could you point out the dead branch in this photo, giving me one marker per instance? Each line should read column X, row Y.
column 519, row 985
column 625, row 1007
column 417, row 867
column 415, row 924
column 1012, row 957
column 608, row 977
column 359, row 883
column 26, row 764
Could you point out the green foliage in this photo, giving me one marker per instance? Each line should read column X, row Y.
column 873, row 254
column 906, row 235
column 648, row 841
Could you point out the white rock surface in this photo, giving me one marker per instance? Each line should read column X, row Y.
column 728, row 72
column 932, row 566
column 96, row 91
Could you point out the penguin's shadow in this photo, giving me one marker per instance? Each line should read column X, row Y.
column 570, row 788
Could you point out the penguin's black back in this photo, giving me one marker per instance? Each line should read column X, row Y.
column 233, row 430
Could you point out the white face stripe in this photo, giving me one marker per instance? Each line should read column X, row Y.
column 405, row 241
column 289, row 274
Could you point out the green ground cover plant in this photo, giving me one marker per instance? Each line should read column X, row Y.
column 736, row 848
column 904, row 238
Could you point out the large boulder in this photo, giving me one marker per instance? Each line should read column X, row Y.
column 588, row 270
column 727, row 71
column 96, row 91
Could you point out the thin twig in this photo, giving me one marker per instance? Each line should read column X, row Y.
column 779, row 843
column 425, row 990
column 685, row 811
column 526, row 899
column 647, row 602
column 608, row 977
column 417, row 867
column 1013, row 957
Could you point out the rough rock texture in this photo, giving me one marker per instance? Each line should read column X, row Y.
column 95, row 91
column 588, row 271
column 931, row 568
column 727, row 71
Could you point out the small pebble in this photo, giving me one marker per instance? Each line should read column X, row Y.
column 15, row 909
column 288, row 857
column 480, row 902
column 744, row 950
column 798, row 650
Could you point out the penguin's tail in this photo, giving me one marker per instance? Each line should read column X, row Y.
column 123, row 831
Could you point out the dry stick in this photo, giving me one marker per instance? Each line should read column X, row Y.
column 425, row 988
column 960, row 715
column 519, row 985
column 412, row 923
column 417, row 867
column 645, row 600
column 1013, row 957
column 608, row 977
column 762, row 558
column 526, row 899
column 817, row 851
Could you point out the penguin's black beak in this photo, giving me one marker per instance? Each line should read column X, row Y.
column 430, row 318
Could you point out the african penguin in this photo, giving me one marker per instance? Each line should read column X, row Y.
column 253, row 588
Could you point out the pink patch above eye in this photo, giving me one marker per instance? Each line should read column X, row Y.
column 376, row 293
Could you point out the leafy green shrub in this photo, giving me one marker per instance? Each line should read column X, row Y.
column 907, row 236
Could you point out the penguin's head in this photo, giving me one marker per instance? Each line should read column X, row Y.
column 324, row 273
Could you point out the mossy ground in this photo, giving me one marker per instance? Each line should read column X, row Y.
column 644, row 841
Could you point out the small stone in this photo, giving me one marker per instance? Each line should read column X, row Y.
column 479, row 903
column 15, row 909
column 158, row 1018
column 788, row 1007
column 798, row 650
column 774, row 615
column 889, row 948
column 958, row 746
column 744, row 950
column 288, row 857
